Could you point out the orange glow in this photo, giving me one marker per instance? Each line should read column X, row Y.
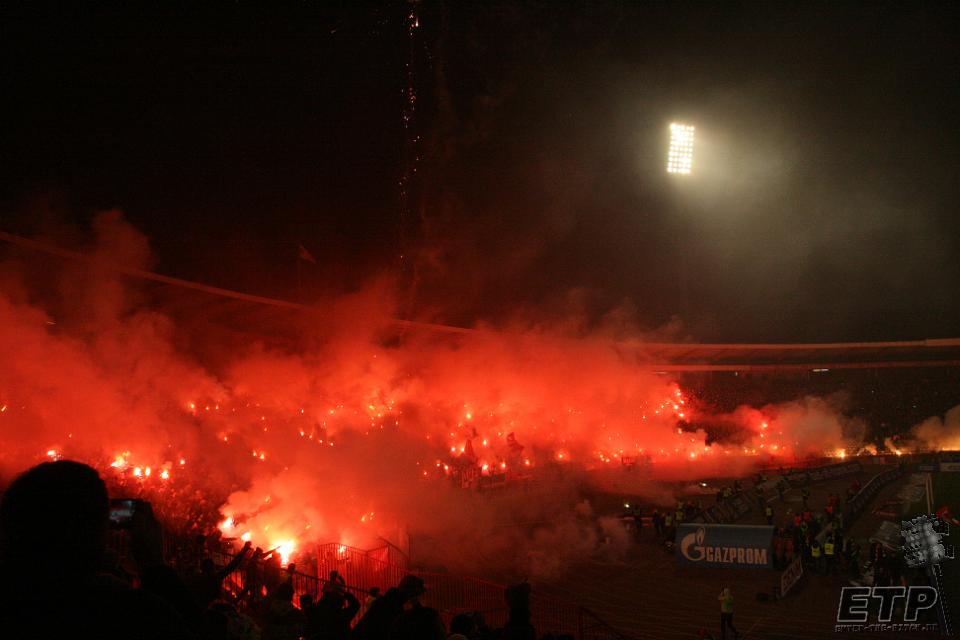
column 286, row 549
column 483, row 403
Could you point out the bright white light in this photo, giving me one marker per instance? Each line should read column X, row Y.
column 680, row 156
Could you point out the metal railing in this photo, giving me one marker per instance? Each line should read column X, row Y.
column 737, row 505
column 448, row 594
column 856, row 504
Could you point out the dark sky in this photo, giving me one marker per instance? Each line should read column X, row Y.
column 822, row 204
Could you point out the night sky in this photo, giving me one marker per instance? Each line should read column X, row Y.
column 823, row 203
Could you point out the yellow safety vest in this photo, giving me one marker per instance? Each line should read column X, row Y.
column 769, row 511
column 668, row 520
column 815, row 551
column 828, row 548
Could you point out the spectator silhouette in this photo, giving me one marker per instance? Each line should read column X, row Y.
column 335, row 582
column 53, row 529
column 330, row 618
column 518, row 625
column 383, row 620
column 372, row 594
column 282, row 621
column 207, row 585
column 272, row 572
column 418, row 623
column 306, row 602
column 253, row 579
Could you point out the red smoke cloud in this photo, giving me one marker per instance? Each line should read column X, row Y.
column 360, row 431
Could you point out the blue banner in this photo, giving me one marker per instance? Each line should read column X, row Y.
column 724, row 545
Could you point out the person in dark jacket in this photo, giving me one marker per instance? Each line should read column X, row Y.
column 377, row 623
column 518, row 625
column 330, row 617
column 207, row 585
column 53, row 529
column 282, row 620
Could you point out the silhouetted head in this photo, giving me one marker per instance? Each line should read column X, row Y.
column 306, row 601
column 207, row 566
column 55, row 514
column 411, row 587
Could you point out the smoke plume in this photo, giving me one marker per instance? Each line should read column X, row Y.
column 356, row 428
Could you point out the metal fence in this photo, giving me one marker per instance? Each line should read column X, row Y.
column 734, row 507
column 857, row 503
column 448, row 594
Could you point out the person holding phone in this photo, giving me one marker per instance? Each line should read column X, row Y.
column 54, row 520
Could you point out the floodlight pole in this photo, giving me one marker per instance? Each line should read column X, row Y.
column 680, row 166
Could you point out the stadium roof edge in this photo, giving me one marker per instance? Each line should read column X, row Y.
column 674, row 356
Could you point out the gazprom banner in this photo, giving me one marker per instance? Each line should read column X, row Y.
column 724, row 545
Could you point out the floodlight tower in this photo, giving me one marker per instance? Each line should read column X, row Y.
column 680, row 163
column 680, row 154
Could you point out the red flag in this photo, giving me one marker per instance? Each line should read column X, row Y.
column 306, row 255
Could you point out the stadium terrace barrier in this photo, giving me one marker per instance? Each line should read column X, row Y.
column 724, row 512
column 362, row 569
column 798, row 478
column 448, row 594
column 731, row 509
column 857, row 503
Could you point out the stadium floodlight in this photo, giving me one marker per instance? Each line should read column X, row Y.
column 680, row 155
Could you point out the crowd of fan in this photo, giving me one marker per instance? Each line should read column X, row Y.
column 59, row 579
column 796, row 534
column 799, row 535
